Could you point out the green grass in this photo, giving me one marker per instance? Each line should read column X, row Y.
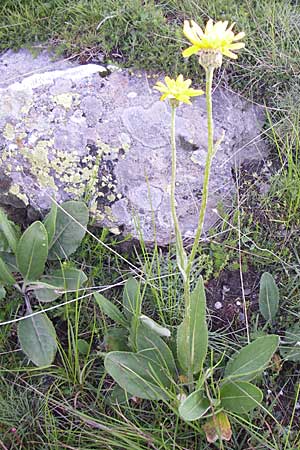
column 67, row 405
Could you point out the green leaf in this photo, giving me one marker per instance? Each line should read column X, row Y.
column 50, row 287
column 71, row 222
column 192, row 333
column 151, row 345
column 32, row 251
column 116, row 339
column 9, row 231
column 2, row 293
column 118, row 396
column 194, row 406
column 50, row 223
column 290, row 350
column 150, row 323
column 240, row 397
column 38, row 339
column 10, row 261
column 268, row 297
column 83, row 346
column 252, row 359
column 6, row 277
column 137, row 374
column 110, row 310
column 132, row 298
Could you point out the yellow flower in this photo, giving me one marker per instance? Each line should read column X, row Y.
column 216, row 37
column 178, row 90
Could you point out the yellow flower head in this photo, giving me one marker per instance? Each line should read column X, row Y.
column 178, row 90
column 215, row 38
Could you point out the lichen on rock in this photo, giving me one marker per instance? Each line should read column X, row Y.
column 70, row 133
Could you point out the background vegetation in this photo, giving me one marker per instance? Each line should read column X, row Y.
column 68, row 404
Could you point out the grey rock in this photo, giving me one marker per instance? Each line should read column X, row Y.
column 67, row 132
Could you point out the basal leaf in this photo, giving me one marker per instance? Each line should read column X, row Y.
column 290, row 350
column 6, row 277
column 32, row 251
column 252, row 359
column 111, row 310
column 52, row 286
column 268, row 297
column 38, row 339
column 150, row 344
column 50, row 223
column 132, row 298
column 240, row 397
column 195, row 406
column 71, row 222
column 137, row 374
column 192, row 333
column 9, row 231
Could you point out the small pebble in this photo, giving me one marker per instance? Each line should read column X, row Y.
column 238, row 303
column 218, row 305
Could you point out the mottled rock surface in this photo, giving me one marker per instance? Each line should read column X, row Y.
column 69, row 131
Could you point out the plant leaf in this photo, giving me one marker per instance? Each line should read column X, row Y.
column 52, row 286
column 218, row 427
column 192, row 333
column 268, row 297
column 6, row 277
column 111, row 310
column 50, row 223
column 116, row 339
column 240, row 397
column 137, row 374
column 150, row 323
column 9, row 231
column 252, row 359
column 154, row 347
column 32, row 251
column 132, row 298
column 195, row 406
column 38, row 339
column 71, row 222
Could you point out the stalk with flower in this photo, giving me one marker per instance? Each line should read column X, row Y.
column 150, row 371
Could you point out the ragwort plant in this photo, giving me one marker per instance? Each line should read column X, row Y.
column 147, row 368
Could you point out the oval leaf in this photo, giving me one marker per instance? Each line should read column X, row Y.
column 110, row 309
column 38, row 339
column 194, row 406
column 192, row 333
column 268, row 297
column 137, row 374
column 60, row 281
column 6, row 277
column 32, row 251
column 252, row 359
column 71, row 222
column 154, row 347
column 240, row 397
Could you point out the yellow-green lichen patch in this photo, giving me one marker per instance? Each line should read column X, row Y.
column 38, row 160
column 64, row 100
column 9, row 132
column 15, row 190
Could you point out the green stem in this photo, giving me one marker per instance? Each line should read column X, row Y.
column 209, row 158
column 180, row 252
column 179, row 242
